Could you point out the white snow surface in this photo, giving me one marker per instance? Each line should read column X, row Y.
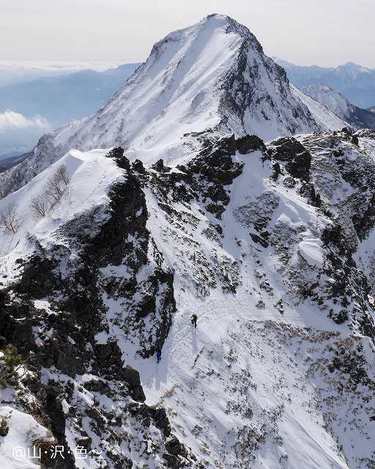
column 16, row 448
column 91, row 176
column 243, row 357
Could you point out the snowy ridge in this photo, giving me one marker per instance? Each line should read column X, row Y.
column 254, row 239
column 90, row 174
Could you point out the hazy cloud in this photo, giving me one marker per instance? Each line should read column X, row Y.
column 19, row 133
column 10, row 121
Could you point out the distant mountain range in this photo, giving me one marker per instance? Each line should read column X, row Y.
column 63, row 98
column 355, row 82
column 340, row 105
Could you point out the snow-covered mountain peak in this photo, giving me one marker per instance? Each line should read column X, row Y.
column 210, row 77
column 182, row 88
column 212, row 23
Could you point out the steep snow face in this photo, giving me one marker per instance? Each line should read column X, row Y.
column 213, row 75
column 339, row 105
column 258, row 383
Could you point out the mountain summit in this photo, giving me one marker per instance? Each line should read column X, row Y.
column 211, row 76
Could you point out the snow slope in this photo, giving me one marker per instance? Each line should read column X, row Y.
column 91, row 176
column 249, row 387
column 16, row 448
column 279, row 372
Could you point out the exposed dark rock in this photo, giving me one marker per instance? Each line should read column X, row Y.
column 355, row 140
column 259, row 239
column 295, row 156
column 172, row 461
column 4, row 426
column 133, row 380
column 249, row 143
column 53, row 408
column 117, row 154
column 339, row 317
column 276, row 171
column 215, row 169
column 38, row 277
column 175, row 447
column 138, row 167
column 160, row 167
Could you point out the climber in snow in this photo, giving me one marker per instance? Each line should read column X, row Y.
column 194, row 319
column 158, row 356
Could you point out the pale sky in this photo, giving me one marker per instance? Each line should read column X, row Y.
column 322, row 32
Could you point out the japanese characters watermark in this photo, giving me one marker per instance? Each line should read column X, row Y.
column 53, row 452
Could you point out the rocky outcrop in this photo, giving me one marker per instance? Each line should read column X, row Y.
column 61, row 340
column 100, row 298
column 297, row 159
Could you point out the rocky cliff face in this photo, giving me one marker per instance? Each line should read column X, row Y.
column 74, row 380
column 270, row 245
